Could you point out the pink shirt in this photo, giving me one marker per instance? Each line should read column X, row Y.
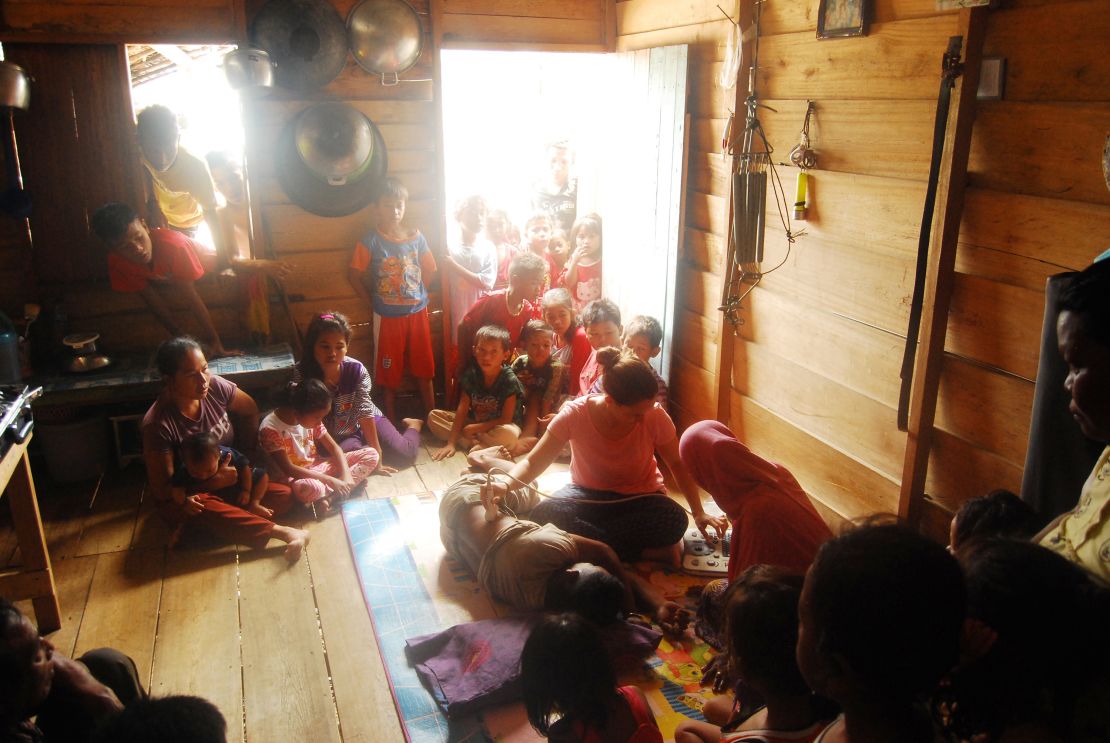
column 625, row 465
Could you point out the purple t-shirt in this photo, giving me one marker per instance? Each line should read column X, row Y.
column 165, row 427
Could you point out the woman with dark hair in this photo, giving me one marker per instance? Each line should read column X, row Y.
column 354, row 421
column 194, row 400
column 617, row 495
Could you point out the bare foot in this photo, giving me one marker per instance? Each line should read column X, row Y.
column 296, row 539
column 260, row 510
column 491, row 456
column 523, row 446
column 415, row 423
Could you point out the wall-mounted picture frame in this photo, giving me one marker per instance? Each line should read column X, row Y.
column 840, row 18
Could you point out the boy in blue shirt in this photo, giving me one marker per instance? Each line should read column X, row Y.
column 389, row 270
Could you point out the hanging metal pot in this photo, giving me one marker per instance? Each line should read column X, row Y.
column 248, row 69
column 305, row 39
column 330, row 159
column 386, row 37
column 15, row 86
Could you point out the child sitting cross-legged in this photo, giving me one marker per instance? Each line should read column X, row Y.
column 761, row 630
column 292, row 436
column 570, row 688
column 543, row 378
column 490, row 403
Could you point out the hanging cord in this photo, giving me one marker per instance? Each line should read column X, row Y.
column 497, row 470
column 802, row 155
column 755, row 157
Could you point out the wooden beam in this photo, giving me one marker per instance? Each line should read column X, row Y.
column 940, row 276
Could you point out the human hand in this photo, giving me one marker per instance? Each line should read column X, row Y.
column 495, row 493
column 672, row 618
column 226, row 474
column 244, row 497
column 443, row 453
column 385, row 470
column 471, row 430
column 715, row 673
column 543, row 420
column 340, row 487
column 73, row 681
column 277, row 269
column 193, row 505
column 719, row 524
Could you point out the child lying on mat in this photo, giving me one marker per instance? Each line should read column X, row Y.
column 529, row 566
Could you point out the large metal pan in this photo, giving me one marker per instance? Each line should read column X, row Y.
column 386, row 37
column 305, row 39
column 330, row 159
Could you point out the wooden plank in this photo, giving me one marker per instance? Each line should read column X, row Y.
column 1067, row 34
column 549, row 9
column 704, row 250
column 710, row 173
column 854, row 355
column 286, row 692
column 693, row 388
column 780, row 18
column 73, row 578
column 1010, row 339
column 200, row 609
column 639, row 16
column 698, row 291
column 939, row 280
column 985, row 408
column 109, row 23
column 1054, row 142
column 833, row 477
column 122, row 611
column 881, row 137
column 292, row 229
column 266, row 112
column 362, row 693
column 110, row 524
column 706, row 135
column 707, row 212
column 1063, row 235
column 468, row 29
column 845, row 419
column 896, row 60
column 959, row 470
column 707, row 40
column 696, row 338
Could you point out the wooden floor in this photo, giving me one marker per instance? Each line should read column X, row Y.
column 285, row 651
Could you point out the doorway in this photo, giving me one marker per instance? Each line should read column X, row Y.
column 623, row 116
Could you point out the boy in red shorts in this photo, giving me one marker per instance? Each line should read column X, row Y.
column 388, row 270
column 139, row 258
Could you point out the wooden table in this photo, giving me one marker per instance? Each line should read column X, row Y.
column 34, row 580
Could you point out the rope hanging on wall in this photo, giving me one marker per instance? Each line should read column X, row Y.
column 753, row 171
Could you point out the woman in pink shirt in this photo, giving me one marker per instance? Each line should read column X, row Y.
column 617, row 495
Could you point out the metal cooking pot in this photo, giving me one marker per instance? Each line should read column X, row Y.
column 335, row 141
column 15, row 86
column 385, row 36
column 335, row 150
column 83, row 353
column 247, row 68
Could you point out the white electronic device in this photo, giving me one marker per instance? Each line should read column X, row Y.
column 705, row 558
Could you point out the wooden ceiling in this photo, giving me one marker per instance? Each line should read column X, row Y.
column 150, row 62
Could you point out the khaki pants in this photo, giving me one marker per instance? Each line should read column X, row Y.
column 441, row 421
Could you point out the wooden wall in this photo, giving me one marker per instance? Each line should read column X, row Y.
column 566, row 25
column 815, row 365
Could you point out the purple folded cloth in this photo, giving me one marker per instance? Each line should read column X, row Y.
column 477, row 664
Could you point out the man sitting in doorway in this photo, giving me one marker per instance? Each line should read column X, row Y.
column 180, row 194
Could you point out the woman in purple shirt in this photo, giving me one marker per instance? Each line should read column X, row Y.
column 194, row 400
